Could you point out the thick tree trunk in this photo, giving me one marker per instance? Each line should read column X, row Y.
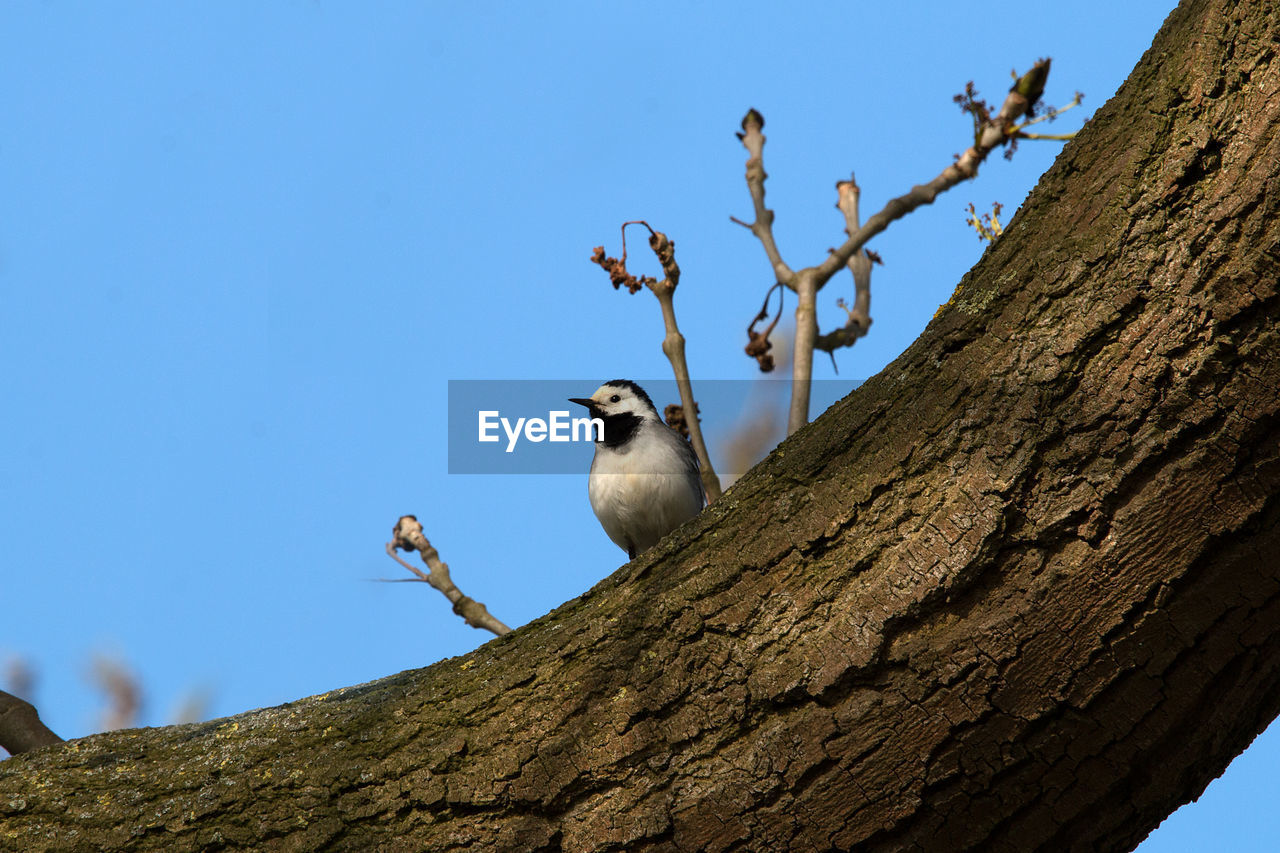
column 1018, row 592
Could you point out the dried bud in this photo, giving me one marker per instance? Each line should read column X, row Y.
column 674, row 416
column 758, row 347
column 752, row 117
column 1031, row 84
column 617, row 270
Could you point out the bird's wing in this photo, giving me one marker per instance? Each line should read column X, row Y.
column 693, row 468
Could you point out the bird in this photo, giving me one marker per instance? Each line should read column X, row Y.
column 644, row 479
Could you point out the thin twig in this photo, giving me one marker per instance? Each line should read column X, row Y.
column 858, row 319
column 1055, row 137
column 1049, row 116
column 409, row 537
column 993, row 132
column 673, row 348
column 990, row 132
column 753, row 140
column 673, row 342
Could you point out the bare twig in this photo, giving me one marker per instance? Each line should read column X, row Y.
column 858, row 320
column 1050, row 115
column 858, row 315
column 989, row 132
column 673, row 342
column 20, row 726
column 753, row 140
column 1052, row 137
column 848, row 194
column 993, row 132
column 408, row 536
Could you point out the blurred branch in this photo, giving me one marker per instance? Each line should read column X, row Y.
column 758, row 428
column 193, row 707
column 409, row 537
column 673, row 342
column 1050, row 115
column 20, row 678
column 123, row 692
column 20, row 726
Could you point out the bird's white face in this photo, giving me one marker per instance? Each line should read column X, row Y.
column 616, row 400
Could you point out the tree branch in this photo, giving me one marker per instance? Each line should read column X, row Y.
column 990, row 132
column 806, row 287
column 673, row 342
column 858, row 320
column 1016, row 593
column 753, row 140
column 408, row 536
column 994, row 132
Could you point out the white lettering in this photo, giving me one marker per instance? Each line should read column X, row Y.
column 559, row 425
column 513, row 435
column 487, row 423
column 588, row 424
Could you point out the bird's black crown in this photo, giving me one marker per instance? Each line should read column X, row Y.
column 634, row 389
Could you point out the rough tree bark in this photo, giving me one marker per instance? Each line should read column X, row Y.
column 1018, row 592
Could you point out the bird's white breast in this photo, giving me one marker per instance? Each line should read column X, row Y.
column 636, row 506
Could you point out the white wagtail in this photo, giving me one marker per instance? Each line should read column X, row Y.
column 644, row 479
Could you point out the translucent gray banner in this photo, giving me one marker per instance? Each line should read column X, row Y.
column 518, row 426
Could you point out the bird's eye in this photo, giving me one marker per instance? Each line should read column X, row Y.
column 614, row 399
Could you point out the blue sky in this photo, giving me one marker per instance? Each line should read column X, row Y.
column 244, row 247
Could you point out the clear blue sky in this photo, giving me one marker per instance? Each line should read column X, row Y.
column 243, row 247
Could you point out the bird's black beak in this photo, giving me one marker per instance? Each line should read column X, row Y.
column 592, row 408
